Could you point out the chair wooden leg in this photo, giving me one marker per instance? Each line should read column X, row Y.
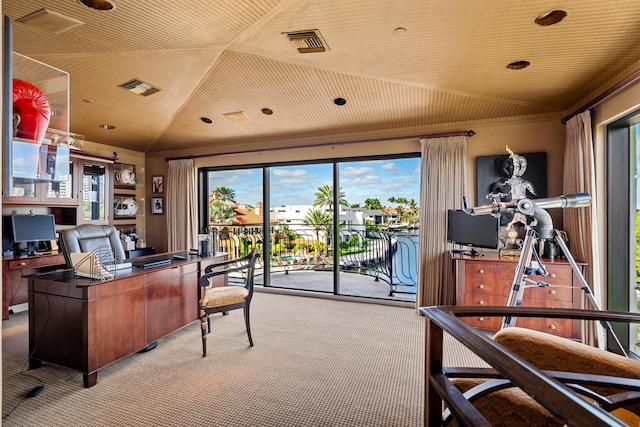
column 204, row 320
column 208, row 323
column 246, row 321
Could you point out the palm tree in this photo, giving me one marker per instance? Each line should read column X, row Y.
column 413, row 213
column 401, row 201
column 372, row 204
column 318, row 221
column 324, row 197
column 221, row 213
column 225, row 194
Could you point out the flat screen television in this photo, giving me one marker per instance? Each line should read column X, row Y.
column 32, row 229
column 479, row 231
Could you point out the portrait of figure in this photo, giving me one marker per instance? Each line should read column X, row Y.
column 513, row 186
column 158, row 184
column 511, row 177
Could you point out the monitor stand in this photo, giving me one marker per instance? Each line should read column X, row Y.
column 31, row 248
column 473, row 252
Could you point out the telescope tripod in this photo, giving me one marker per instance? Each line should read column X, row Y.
column 523, row 271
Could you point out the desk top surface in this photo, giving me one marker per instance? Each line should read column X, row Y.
column 174, row 259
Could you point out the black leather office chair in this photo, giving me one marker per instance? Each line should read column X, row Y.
column 220, row 299
column 104, row 239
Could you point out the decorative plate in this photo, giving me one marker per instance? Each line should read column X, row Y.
column 127, row 207
column 127, row 176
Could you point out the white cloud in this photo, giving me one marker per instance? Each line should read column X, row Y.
column 391, row 168
column 289, row 172
column 350, row 171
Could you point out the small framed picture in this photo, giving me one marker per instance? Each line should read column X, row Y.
column 158, row 184
column 157, row 205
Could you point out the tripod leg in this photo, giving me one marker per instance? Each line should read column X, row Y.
column 517, row 289
column 585, row 288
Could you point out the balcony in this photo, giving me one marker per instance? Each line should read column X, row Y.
column 370, row 264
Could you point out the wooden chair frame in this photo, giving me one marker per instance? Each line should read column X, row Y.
column 245, row 266
column 553, row 390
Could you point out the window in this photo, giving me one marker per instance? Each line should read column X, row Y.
column 623, row 262
column 340, row 227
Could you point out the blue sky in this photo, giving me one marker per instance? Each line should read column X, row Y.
column 296, row 185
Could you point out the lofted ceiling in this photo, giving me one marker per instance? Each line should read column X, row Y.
column 404, row 67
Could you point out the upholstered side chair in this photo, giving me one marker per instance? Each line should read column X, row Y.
column 236, row 293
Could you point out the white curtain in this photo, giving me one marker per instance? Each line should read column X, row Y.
column 182, row 205
column 443, row 167
column 581, row 224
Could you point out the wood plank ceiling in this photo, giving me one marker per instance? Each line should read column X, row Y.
column 405, row 67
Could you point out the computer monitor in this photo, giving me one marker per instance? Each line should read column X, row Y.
column 475, row 231
column 31, row 229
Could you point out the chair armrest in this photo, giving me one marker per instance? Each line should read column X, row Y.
column 204, row 280
column 247, row 258
column 246, row 263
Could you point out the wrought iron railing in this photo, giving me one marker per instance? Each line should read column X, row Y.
column 390, row 256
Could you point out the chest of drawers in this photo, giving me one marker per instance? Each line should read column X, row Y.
column 488, row 280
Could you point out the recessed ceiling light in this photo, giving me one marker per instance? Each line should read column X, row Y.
column 106, row 126
column 518, row 65
column 267, row 111
column 98, row 4
column 339, row 101
column 550, row 18
column 206, row 120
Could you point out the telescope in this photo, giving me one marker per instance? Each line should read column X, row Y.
column 529, row 206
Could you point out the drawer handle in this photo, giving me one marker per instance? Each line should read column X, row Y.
column 22, row 263
column 481, row 302
column 481, row 319
column 552, row 291
column 552, row 327
column 481, row 286
column 481, row 271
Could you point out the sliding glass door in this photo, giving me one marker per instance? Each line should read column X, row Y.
column 378, row 242
column 338, row 227
column 234, row 210
column 302, row 208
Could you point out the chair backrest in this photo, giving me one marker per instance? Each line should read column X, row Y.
column 245, row 265
column 104, row 239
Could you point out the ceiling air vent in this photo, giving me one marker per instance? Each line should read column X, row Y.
column 307, row 41
column 139, row 87
column 49, row 20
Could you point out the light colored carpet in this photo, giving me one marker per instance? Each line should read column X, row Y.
column 316, row 362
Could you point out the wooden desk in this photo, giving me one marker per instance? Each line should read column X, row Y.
column 487, row 281
column 14, row 268
column 86, row 325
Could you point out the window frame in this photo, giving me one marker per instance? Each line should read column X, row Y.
column 621, row 166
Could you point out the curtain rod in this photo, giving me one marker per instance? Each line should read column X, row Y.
column 604, row 95
column 468, row 133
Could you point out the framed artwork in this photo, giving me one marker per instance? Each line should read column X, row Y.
column 493, row 171
column 157, row 205
column 158, row 184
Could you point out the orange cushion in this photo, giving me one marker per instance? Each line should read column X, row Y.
column 223, row 295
